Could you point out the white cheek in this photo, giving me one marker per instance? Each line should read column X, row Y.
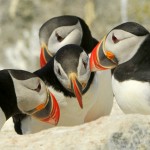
column 125, row 49
column 66, row 83
column 84, row 78
column 131, row 47
column 28, row 99
column 81, row 69
column 73, row 35
column 42, row 94
column 74, row 38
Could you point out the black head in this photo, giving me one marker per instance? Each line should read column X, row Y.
column 21, row 91
column 133, row 27
column 32, row 96
column 49, row 26
column 68, row 56
column 21, row 74
column 63, row 30
column 71, row 67
column 120, row 45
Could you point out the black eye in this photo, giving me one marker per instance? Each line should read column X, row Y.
column 84, row 63
column 114, row 39
column 59, row 38
column 38, row 88
column 59, row 71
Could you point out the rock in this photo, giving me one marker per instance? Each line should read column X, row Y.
column 122, row 132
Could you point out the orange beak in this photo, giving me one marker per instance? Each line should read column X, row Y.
column 48, row 112
column 102, row 59
column 76, row 87
column 45, row 56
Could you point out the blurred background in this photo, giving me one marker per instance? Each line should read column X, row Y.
column 20, row 21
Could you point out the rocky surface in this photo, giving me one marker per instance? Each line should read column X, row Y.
column 122, row 132
column 115, row 132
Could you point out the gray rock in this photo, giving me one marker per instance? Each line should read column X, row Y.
column 122, row 132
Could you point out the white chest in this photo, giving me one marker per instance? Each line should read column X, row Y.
column 132, row 96
column 70, row 111
column 97, row 102
column 2, row 118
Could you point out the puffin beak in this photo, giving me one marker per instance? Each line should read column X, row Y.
column 101, row 59
column 45, row 55
column 48, row 112
column 76, row 87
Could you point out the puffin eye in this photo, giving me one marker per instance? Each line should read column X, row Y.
column 114, row 39
column 84, row 63
column 59, row 38
column 38, row 88
column 59, row 71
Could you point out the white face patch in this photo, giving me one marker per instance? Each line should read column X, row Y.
column 126, row 46
column 83, row 68
column 60, row 74
column 83, row 71
column 30, row 93
column 65, row 35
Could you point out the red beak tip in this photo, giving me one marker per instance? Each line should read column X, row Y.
column 42, row 59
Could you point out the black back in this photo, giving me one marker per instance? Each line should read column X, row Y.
column 88, row 42
column 137, row 68
column 8, row 101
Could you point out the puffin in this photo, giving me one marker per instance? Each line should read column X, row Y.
column 127, row 49
column 24, row 92
column 63, row 30
column 81, row 94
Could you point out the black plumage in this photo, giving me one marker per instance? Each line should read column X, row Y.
column 48, row 76
column 8, row 101
column 87, row 42
column 133, row 28
column 47, row 72
column 137, row 68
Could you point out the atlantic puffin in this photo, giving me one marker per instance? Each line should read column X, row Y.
column 62, row 30
column 127, row 49
column 22, row 91
column 82, row 96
